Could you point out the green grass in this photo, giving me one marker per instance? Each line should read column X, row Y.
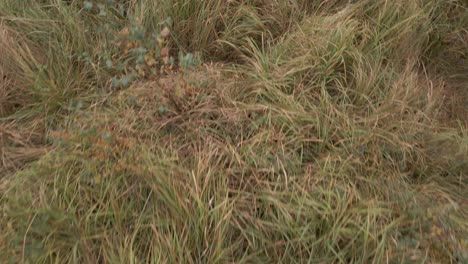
column 331, row 132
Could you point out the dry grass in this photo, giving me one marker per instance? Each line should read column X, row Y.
column 6, row 80
column 332, row 133
column 19, row 144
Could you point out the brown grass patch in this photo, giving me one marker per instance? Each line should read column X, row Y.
column 6, row 78
column 19, row 145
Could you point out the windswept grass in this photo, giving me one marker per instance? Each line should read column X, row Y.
column 312, row 133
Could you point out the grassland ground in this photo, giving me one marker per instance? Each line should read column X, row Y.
column 253, row 131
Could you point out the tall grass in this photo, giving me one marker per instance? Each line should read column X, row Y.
column 313, row 133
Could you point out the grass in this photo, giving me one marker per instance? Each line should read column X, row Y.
column 332, row 132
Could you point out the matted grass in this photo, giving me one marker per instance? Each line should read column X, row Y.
column 311, row 133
